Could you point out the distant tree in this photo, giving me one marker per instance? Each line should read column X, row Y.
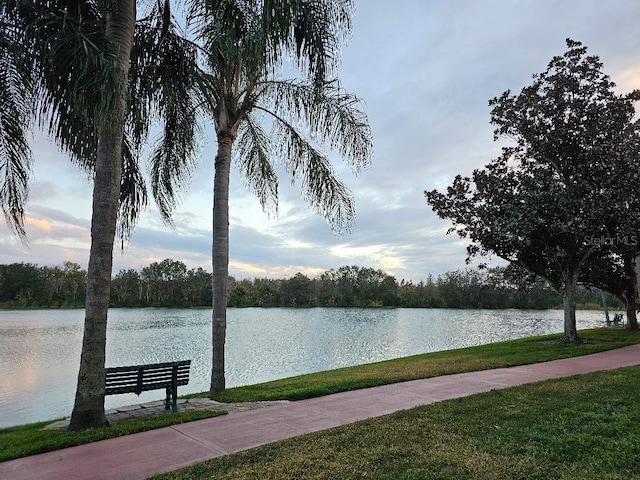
column 165, row 282
column 267, row 292
column 296, row 291
column 463, row 288
column 22, row 284
column 539, row 202
column 240, row 293
column 127, row 289
column 75, row 283
column 389, row 291
column 373, row 286
column 64, row 286
column 530, row 291
column 198, row 288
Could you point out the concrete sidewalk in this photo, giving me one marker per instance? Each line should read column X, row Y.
column 141, row 455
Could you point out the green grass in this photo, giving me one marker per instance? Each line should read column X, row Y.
column 495, row 355
column 24, row 440
column 583, row 427
column 31, row 439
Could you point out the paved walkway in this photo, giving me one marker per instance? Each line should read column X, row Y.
column 141, row 455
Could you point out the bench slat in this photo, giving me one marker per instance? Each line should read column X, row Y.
column 134, row 375
column 149, row 366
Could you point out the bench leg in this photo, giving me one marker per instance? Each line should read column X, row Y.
column 174, row 394
column 167, row 402
column 171, row 401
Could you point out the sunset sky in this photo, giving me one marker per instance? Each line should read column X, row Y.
column 425, row 70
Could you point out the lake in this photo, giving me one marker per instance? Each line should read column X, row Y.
column 40, row 349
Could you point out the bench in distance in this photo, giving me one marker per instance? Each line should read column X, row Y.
column 141, row 378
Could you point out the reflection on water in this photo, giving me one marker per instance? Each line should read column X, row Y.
column 40, row 350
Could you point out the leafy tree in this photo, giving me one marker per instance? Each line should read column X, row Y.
column 422, row 294
column 75, row 281
column 245, row 43
column 538, row 203
column 297, row 291
column 388, row 291
column 126, row 289
column 22, row 283
column 198, row 287
column 64, row 284
column 268, row 293
column 165, row 282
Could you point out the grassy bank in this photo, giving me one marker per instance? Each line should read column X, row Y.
column 483, row 357
column 31, row 439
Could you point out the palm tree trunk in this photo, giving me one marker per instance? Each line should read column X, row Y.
column 220, row 258
column 88, row 410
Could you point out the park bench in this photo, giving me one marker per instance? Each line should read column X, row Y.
column 141, row 378
column 618, row 319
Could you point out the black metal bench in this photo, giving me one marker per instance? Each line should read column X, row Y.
column 141, row 378
column 618, row 319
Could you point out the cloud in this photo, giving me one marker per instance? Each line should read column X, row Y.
column 425, row 71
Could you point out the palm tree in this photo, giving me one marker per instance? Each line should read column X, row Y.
column 245, row 43
column 154, row 70
column 68, row 65
column 88, row 409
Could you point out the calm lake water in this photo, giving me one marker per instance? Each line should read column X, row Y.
column 40, row 350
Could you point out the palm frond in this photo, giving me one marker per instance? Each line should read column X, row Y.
column 320, row 185
column 133, row 193
column 320, row 26
column 253, row 160
column 68, row 56
column 15, row 156
column 16, row 107
column 331, row 115
column 165, row 85
column 173, row 157
column 163, row 62
column 310, row 31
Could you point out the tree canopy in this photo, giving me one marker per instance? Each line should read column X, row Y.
column 539, row 203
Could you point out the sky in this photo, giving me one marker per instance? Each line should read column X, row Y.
column 425, row 71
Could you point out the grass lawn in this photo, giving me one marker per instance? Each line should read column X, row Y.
column 31, row 439
column 583, row 427
column 24, row 440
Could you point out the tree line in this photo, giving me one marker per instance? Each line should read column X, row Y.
column 171, row 284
